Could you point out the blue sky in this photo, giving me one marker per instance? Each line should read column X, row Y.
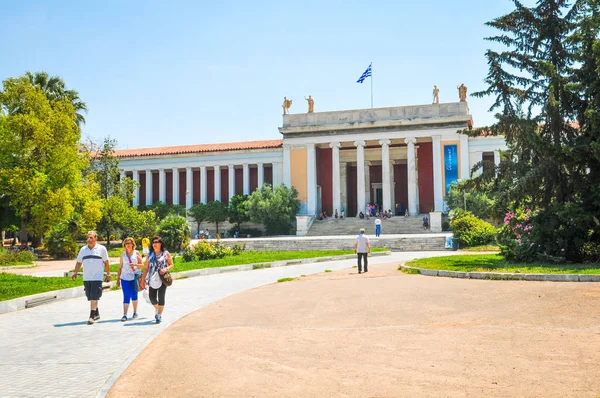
column 157, row 73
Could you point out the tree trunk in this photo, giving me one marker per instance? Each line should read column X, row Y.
column 107, row 237
column 217, row 223
column 23, row 233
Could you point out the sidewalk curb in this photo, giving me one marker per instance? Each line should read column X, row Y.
column 20, row 303
column 506, row 276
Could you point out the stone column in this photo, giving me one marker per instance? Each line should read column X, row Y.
column 203, row 189
column 189, row 187
column 274, row 169
column 497, row 157
column 360, row 175
column 246, row 178
column 121, row 175
column 343, row 187
column 393, row 185
column 311, row 178
column 280, row 174
column 335, row 176
column 175, row 186
column 136, row 192
column 231, row 178
column 465, row 171
column 217, row 176
column 479, row 159
column 412, row 175
column 386, row 183
column 261, row 174
column 148, row 187
column 438, row 196
column 367, row 192
column 162, row 185
column 287, row 176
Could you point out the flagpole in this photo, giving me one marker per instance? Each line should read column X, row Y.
column 371, row 85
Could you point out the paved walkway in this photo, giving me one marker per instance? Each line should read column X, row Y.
column 49, row 351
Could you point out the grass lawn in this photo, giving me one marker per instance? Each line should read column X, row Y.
column 497, row 263
column 13, row 286
column 259, row 257
column 483, row 248
column 15, row 264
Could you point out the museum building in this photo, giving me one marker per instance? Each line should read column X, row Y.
column 397, row 158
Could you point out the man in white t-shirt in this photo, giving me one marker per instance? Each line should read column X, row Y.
column 94, row 258
column 377, row 227
column 362, row 248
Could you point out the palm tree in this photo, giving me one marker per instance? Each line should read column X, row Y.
column 53, row 88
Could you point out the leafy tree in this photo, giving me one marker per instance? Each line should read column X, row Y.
column 474, row 201
column 276, row 210
column 40, row 165
column 162, row 210
column 106, row 167
column 54, row 88
column 545, row 80
column 216, row 212
column 198, row 213
column 238, row 211
column 175, row 232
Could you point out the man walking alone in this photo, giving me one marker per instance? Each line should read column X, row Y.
column 362, row 248
column 94, row 258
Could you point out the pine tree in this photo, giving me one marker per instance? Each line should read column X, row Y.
column 545, row 84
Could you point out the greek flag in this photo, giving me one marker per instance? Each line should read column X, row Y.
column 365, row 75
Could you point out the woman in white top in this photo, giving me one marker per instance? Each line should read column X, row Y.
column 129, row 266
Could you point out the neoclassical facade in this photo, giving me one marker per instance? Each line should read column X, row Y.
column 395, row 158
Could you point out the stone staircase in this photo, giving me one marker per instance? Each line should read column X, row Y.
column 350, row 226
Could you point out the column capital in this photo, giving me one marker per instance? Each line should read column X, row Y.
column 148, row 170
column 231, row 166
column 161, row 169
column 410, row 140
column 385, row 142
column 359, row 143
column 335, row 145
column 259, row 163
column 188, row 168
column 437, row 138
column 368, row 163
column 310, row 145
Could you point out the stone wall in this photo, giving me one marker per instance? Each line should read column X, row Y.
column 430, row 242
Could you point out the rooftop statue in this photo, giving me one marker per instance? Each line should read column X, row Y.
column 462, row 92
column 436, row 92
column 286, row 105
column 311, row 104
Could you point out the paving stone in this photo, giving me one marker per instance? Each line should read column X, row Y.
column 42, row 348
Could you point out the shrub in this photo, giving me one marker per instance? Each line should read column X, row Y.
column 563, row 232
column 205, row 250
column 25, row 256
column 175, row 232
column 61, row 243
column 238, row 249
column 11, row 257
column 188, row 255
column 471, row 231
column 515, row 237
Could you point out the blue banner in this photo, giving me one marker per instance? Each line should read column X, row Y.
column 450, row 165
